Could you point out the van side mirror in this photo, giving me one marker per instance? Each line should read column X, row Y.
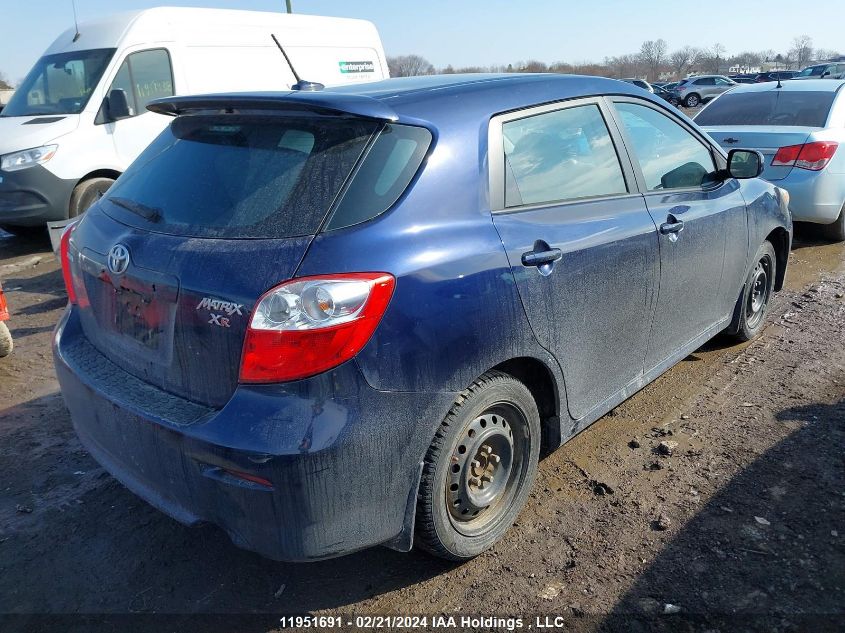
column 745, row 163
column 118, row 105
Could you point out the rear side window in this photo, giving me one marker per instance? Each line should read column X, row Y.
column 561, row 155
column 669, row 156
column 389, row 166
column 240, row 176
column 777, row 107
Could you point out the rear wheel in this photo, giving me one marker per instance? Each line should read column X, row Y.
column 479, row 468
column 6, row 343
column 753, row 303
column 836, row 230
column 86, row 194
column 692, row 101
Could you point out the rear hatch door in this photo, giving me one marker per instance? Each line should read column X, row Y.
column 220, row 208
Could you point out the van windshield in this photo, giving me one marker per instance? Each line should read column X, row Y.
column 59, row 84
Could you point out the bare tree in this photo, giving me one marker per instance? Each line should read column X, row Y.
column 653, row 55
column 824, row 54
column 409, row 66
column 802, row 50
column 4, row 83
column 713, row 59
column 623, row 66
column 684, row 59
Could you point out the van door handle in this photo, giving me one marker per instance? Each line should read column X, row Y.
column 542, row 254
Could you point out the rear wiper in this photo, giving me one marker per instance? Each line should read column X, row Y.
column 149, row 213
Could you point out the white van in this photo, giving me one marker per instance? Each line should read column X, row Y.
column 79, row 118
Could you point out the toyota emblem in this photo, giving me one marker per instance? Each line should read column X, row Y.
column 118, row 259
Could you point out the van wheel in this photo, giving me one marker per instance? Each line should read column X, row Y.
column 692, row 100
column 86, row 194
column 836, row 231
column 753, row 303
column 479, row 468
column 6, row 343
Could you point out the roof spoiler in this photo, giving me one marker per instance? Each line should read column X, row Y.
column 332, row 103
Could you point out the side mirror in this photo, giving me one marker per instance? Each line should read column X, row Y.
column 118, row 105
column 745, row 163
column 826, row 74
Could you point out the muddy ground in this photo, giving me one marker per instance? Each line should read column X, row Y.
column 742, row 527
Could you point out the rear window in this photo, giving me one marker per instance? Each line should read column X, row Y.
column 240, row 176
column 778, row 107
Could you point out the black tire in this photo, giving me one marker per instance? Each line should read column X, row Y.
column 479, row 469
column 691, row 101
column 836, row 231
column 755, row 298
column 6, row 343
column 86, row 194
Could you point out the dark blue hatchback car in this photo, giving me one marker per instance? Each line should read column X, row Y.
column 336, row 319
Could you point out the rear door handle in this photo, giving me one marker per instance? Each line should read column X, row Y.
column 539, row 257
column 672, row 225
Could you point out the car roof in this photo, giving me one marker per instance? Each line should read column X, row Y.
column 804, row 85
column 429, row 98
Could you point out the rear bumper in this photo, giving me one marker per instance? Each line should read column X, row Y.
column 342, row 458
column 814, row 196
column 33, row 196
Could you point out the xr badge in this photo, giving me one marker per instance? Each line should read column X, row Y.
column 219, row 319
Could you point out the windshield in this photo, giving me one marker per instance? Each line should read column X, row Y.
column 778, row 107
column 59, row 84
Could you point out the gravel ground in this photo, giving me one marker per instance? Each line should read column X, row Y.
column 722, row 495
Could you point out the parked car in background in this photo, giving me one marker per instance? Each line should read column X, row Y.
column 664, row 94
column 670, row 86
column 745, row 78
column 775, row 75
column 319, row 319
column 829, row 70
column 641, row 83
column 79, row 118
column 800, row 130
column 693, row 91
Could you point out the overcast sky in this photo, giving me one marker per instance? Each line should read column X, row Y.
column 476, row 32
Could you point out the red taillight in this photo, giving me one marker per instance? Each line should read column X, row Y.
column 308, row 325
column 64, row 254
column 813, row 156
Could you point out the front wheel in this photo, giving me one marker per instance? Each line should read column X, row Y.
column 753, row 303
column 479, row 469
column 692, row 101
column 6, row 343
column 86, row 194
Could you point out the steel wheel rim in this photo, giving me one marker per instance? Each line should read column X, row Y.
column 487, row 464
column 758, row 295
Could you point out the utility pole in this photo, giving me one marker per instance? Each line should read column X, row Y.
column 290, row 8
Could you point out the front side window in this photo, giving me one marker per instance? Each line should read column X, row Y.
column 562, row 155
column 670, row 157
column 144, row 76
column 59, row 84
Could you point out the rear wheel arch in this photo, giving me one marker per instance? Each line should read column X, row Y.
column 547, row 394
column 779, row 239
